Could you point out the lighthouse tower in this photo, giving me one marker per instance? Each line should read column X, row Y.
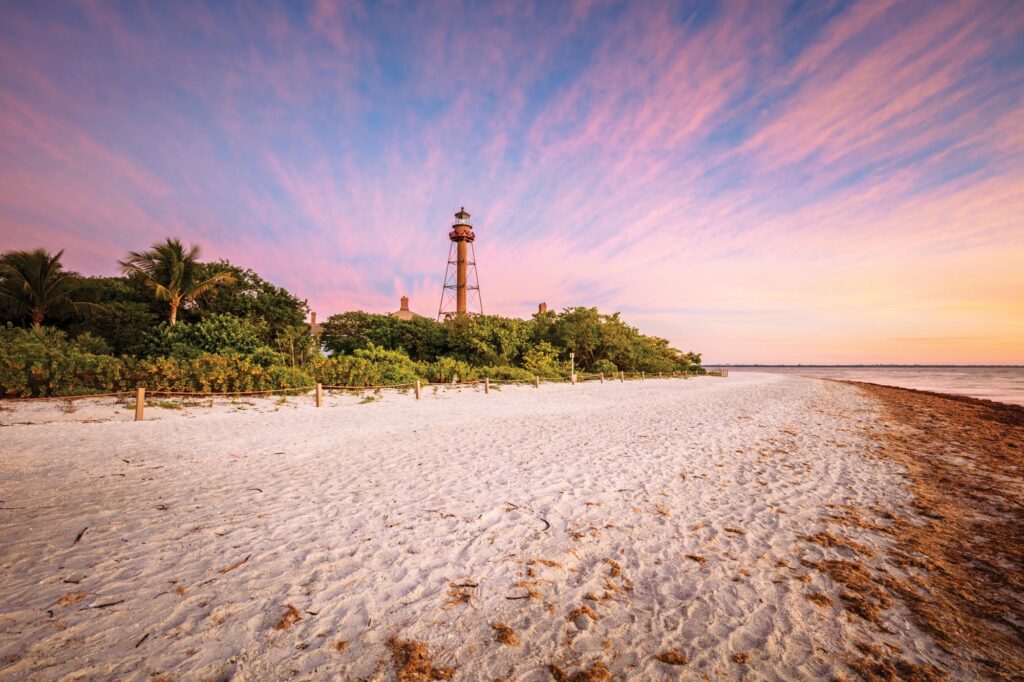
column 461, row 292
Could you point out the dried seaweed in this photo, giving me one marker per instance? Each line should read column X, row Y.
column 598, row 672
column 672, row 658
column 412, row 662
column 503, row 634
column 965, row 464
column 291, row 617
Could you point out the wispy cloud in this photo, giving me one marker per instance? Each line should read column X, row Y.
column 757, row 181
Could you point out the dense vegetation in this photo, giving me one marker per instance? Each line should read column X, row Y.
column 174, row 323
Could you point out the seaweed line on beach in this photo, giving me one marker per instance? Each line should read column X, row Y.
column 963, row 538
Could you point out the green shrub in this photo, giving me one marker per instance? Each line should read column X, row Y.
column 504, row 373
column 211, row 373
column 372, row 366
column 606, row 366
column 542, row 360
column 445, row 370
column 264, row 356
column 126, row 326
column 282, row 376
column 42, row 362
column 218, row 334
column 88, row 343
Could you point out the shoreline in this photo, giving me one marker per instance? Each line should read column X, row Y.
column 766, row 525
column 958, row 397
column 962, row 542
column 999, row 384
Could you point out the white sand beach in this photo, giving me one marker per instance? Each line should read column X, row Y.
column 599, row 526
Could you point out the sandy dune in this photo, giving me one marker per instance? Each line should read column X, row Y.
column 603, row 525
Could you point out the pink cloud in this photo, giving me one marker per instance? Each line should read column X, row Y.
column 729, row 193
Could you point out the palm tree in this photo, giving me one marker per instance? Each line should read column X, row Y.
column 33, row 283
column 170, row 271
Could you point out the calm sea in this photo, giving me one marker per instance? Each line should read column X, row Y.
column 1005, row 384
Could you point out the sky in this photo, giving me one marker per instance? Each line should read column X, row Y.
column 773, row 182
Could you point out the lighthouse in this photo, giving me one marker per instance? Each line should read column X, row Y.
column 461, row 292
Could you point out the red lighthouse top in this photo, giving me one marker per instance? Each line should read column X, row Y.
column 462, row 231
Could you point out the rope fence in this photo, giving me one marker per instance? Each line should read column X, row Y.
column 226, row 394
column 408, row 384
column 141, row 392
column 68, row 397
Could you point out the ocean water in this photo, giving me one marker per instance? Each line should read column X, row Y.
column 1003, row 384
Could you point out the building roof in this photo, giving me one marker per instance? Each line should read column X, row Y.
column 403, row 312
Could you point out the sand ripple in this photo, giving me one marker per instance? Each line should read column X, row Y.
column 599, row 523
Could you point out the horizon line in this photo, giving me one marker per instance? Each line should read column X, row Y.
column 847, row 365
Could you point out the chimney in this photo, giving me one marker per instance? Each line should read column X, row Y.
column 542, row 308
column 312, row 319
column 405, row 303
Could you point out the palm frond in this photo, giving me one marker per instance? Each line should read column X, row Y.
column 170, row 270
column 35, row 282
column 14, row 302
column 205, row 286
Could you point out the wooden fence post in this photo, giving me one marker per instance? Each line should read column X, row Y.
column 417, row 389
column 536, row 381
column 622, row 377
column 319, row 395
column 602, row 377
column 487, row 385
column 140, row 402
column 573, row 378
column 643, row 376
column 659, row 375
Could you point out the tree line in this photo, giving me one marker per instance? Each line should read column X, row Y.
column 173, row 322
